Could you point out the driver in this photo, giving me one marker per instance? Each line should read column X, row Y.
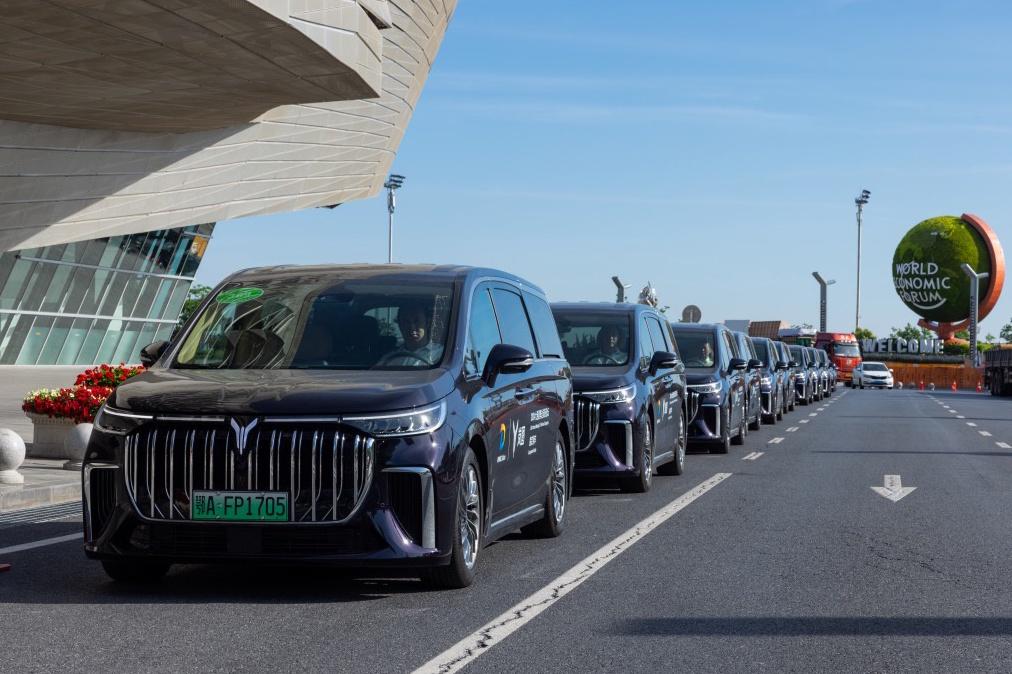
column 706, row 353
column 418, row 348
column 609, row 347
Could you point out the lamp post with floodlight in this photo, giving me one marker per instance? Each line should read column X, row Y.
column 394, row 182
column 860, row 202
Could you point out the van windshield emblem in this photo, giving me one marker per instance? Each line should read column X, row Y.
column 242, row 434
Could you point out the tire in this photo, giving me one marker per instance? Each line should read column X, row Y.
column 640, row 484
column 135, row 572
column 742, row 431
column 677, row 465
column 758, row 423
column 724, row 446
column 781, row 409
column 467, row 537
column 553, row 522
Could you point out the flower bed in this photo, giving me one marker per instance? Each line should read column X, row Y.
column 80, row 402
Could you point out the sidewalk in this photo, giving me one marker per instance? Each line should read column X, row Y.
column 46, row 483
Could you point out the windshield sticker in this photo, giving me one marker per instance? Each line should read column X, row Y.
column 239, row 295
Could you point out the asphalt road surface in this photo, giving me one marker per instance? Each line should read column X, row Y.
column 785, row 561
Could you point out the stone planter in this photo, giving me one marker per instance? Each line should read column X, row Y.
column 49, row 436
column 75, row 445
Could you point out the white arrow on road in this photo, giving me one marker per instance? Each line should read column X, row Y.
column 893, row 489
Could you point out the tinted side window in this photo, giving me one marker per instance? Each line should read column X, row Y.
column 482, row 333
column 657, row 335
column 544, row 326
column 646, row 344
column 513, row 323
column 729, row 344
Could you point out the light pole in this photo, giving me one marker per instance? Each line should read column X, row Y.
column 860, row 201
column 823, row 284
column 620, row 289
column 974, row 304
column 394, row 182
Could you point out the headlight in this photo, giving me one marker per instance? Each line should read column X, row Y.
column 118, row 422
column 618, row 395
column 712, row 387
column 400, row 424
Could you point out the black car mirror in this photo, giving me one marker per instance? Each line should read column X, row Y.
column 737, row 364
column 754, row 364
column 662, row 360
column 152, row 352
column 792, row 363
column 506, row 358
column 783, row 365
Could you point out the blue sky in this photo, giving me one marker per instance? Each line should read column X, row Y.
column 714, row 149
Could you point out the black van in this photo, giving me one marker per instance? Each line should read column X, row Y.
column 717, row 376
column 753, row 380
column 630, row 398
column 806, row 383
column 364, row 415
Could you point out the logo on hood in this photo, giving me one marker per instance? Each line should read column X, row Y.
column 242, row 433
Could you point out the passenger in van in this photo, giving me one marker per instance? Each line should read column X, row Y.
column 417, row 348
column 707, row 354
column 610, row 350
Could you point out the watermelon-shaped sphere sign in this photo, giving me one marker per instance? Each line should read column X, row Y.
column 927, row 271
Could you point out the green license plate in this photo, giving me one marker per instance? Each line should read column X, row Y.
column 240, row 506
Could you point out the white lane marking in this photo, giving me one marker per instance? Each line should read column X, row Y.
column 792, row 429
column 822, row 408
column 40, row 544
column 1004, row 445
column 813, row 414
column 893, row 489
column 970, row 423
column 468, row 649
column 752, row 457
column 803, row 421
column 985, row 434
column 775, row 441
column 960, row 416
column 952, row 411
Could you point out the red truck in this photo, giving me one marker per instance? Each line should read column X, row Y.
column 843, row 349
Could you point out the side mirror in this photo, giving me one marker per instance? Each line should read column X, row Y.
column 152, row 352
column 783, row 365
column 506, row 358
column 662, row 360
column 754, row 364
column 737, row 364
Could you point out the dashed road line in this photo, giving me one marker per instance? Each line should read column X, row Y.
column 40, row 544
column 1004, row 445
column 813, row 414
column 775, row 441
column 952, row 412
column 803, row 421
column 985, row 434
column 752, row 457
column 468, row 649
column 792, row 429
column 960, row 416
column 970, row 423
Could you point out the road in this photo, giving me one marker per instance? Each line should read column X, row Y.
column 786, row 561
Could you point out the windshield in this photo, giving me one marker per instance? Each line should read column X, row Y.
column 321, row 323
column 798, row 355
column 846, row 350
column 696, row 347
column 874, row 367
column 594, row 339
column 762, row 349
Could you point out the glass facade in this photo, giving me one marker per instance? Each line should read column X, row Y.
column 98, row 301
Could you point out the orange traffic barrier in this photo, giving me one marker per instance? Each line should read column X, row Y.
column 922, row 385
column 979, row 387
column 953, row 385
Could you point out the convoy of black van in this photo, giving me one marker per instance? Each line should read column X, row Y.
column 406, row 416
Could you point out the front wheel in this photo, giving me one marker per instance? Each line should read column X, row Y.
column 467, row 531
column 742, row 431
column 138, row 572
column 677, row 465
column 551, row 524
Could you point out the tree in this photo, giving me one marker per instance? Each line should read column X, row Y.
column 864, row 333
column 194, row 297
column 909, row 331
column 1006, row 332
column 989, row 338
column 963, row 334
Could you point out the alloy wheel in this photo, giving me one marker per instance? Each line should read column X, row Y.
column 559, row 482
column 470, row 516
column 648, row 454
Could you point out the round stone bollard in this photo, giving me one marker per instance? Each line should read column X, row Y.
column 75, row 445
column 12, row 455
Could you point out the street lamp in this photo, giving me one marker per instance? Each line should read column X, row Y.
column 860, row 201
column 394, row 182
column 974, row 304
column 823, row 284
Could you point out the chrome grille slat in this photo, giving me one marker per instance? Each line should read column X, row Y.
column 165, row 461
column 588, row 422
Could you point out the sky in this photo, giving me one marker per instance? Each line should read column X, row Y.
column 713, row 149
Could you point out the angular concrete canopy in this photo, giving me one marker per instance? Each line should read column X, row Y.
column 136, row 115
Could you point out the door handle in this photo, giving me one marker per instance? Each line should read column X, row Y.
column 525, row 393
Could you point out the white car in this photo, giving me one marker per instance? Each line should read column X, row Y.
column 871, row 374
